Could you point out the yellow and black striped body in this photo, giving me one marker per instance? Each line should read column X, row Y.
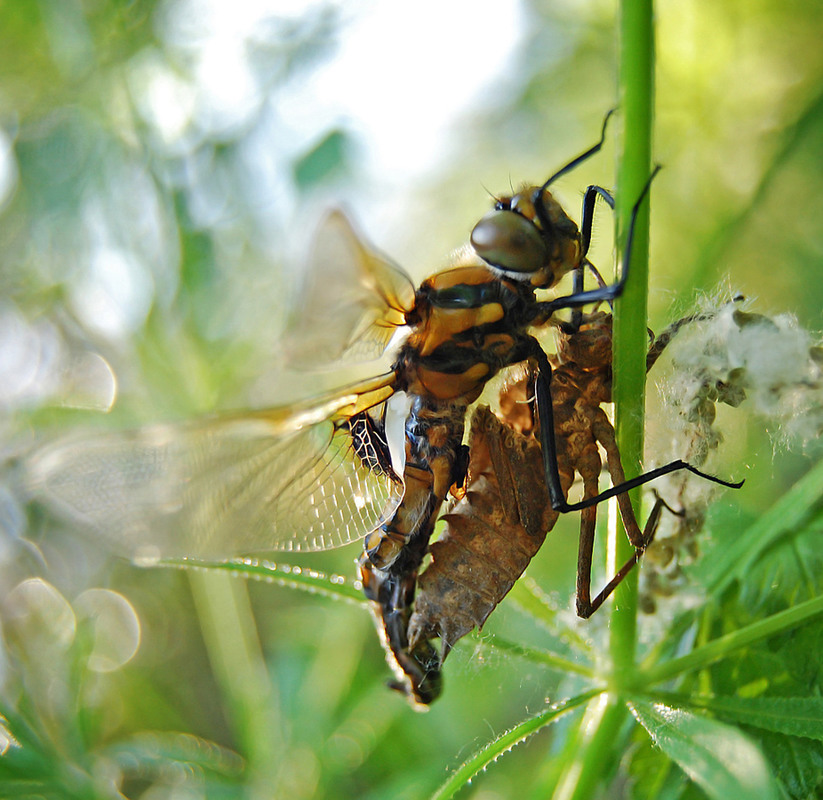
column 468, row 323
column 394, row 552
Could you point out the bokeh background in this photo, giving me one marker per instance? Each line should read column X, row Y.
column 163, row 166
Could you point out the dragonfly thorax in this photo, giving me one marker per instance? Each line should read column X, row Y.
column 469, row 323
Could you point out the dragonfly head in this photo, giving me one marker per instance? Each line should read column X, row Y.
column 529, row 238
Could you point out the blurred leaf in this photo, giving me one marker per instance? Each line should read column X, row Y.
column 59, row 158
column 328, row 158
column 793, row 138
column 51, row 48
column 153, row 750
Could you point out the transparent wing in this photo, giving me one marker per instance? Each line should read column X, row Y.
column 353, row 300
column 224, row 487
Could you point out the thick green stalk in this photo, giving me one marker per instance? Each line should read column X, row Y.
column 599, row 731
column 636, row 79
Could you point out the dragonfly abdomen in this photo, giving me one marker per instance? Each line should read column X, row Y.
column 491, row 535
column 434, row 433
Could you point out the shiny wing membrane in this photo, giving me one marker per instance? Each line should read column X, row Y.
column 353, row 299
column 282, row 479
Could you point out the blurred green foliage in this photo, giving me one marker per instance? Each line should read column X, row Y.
column 151, row 221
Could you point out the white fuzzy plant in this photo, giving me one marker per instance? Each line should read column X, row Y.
column 768, row 367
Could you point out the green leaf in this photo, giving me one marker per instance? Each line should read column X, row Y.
column 335, row 587
column 653, row 775
column 720, row 759
column 537, row 655
column 724, row 646
column 493, row 750
column 327, row 158
column 793, row 716
column 784, row 518
column 533, row 600
column 797, row 763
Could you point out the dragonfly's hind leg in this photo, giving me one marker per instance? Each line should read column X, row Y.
column 585, row 605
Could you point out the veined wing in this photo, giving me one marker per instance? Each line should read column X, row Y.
column 283, row 479
column 353, row 300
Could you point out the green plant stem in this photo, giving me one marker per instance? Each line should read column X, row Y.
column 595, row 749
column 636, row 84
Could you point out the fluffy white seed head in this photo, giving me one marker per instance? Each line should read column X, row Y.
column 726, row 362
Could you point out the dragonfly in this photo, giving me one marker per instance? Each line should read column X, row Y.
column 497, row 527
column 372, row 460
column 502, row 519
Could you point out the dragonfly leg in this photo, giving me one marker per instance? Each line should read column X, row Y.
column 586, row 222
column 585, row 549
column 602, row 293
column 545, row 413
column 585, row 606
column 587, row 217
column 646, row 477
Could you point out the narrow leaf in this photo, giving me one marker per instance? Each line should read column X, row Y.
column 793, row 716
column 784, row 518
column 309, row 580
column 494, row 749
column 720, row 759
column 538, row 656
column 150, row 751
column 736, row 640
column 533, row 600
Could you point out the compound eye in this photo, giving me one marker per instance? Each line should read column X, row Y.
column 510, row 242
